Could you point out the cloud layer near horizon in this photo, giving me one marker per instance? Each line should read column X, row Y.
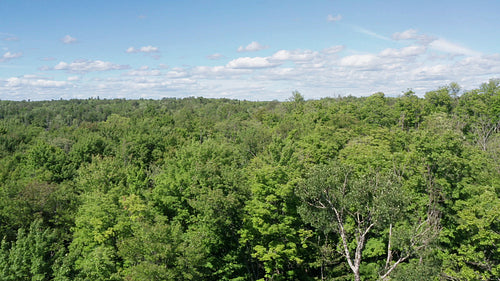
column 422, row 61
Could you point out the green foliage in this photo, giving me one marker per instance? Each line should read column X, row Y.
column 217, row 189
column 49, row 163
column 411, row 110
column 28, row 257
column 272, row 231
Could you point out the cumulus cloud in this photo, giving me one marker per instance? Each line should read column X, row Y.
column 367, row 60
column 68, row 39
column 412, row 34
column 218, row 72
column 406, row 35
column 249, row 63
column 252, row 47
column 409, row 51
column 177, row 72
column 421, row 62
column 8, row 56
column 295, row 55
column 145, row 49
column 84, row 66
column 331, row 18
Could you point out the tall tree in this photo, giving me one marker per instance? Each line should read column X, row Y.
column 355, row 206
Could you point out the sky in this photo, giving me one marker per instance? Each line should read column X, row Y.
column 252, row 50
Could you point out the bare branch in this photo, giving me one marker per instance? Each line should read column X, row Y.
column 389, row 250
column 344, row 240
column 401, row 259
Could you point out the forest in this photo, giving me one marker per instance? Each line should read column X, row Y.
column 339, row 188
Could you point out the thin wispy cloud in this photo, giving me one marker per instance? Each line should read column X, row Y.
column 331, row 18
column 145, row 49
column 333, row 49
column 435, row 43
column 215, row 56
column 68, row 39
column 446, row 46
column 369, row 33
column 11, row 39
column 8, row 56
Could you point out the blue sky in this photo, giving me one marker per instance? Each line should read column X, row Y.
column 254, row 50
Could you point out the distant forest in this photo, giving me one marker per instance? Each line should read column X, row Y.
column 345, row 188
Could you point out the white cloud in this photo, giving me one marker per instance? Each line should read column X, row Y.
column 145, row 49
column 68, row 39
column 143, row 72
column 148, row 49
column 8, row 56
column 295, row 55
column 215, row 56
column 367, row 60
column 434, row 43
column 249, row 63
column 421, row 62
column 483, row 65
column 252, row 47
column 331, row 18
column 177, row 72
column 409, row 51
column 84, row 66
column 406, row 35
column 218, row 72
column 433, row 70
column 28, row 81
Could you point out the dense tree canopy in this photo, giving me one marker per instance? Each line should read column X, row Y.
column 371, row 188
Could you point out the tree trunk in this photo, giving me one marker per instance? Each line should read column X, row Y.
column 357, row 276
